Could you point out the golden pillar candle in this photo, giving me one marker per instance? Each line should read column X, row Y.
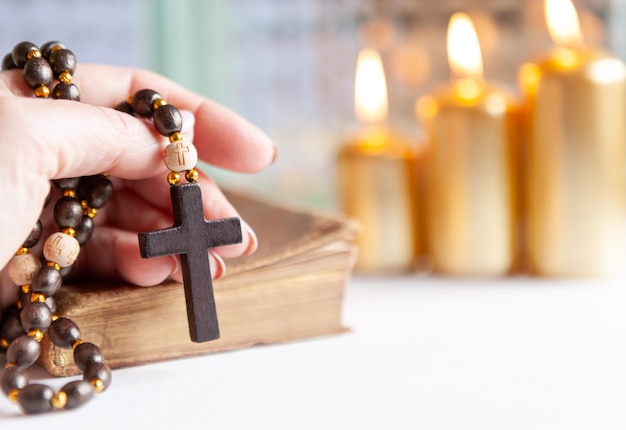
column 376, row 178
column 471, row 175
column 574, row 113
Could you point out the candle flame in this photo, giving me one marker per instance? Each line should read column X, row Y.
column 370, row 89
column 563, row 23
column 463, row 48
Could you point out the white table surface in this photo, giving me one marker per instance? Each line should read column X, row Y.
column 423, row 353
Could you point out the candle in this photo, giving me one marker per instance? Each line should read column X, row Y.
column 471, row 176
column 376, row 176
column 574, row 106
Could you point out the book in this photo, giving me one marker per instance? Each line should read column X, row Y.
column 291, row 288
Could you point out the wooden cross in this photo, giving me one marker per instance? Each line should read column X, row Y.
column 191, row 236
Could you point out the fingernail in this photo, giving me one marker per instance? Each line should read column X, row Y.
column 220, row 266
column 176, row 265
column 275, row 156
column 189, row 120
column 253, row 241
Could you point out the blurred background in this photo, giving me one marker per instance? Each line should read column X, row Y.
column 288, row 65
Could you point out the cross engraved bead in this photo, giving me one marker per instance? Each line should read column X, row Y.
column 22, row 268
column 180, row 156
column 61, row 248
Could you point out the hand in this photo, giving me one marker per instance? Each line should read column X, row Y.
column 49, row 139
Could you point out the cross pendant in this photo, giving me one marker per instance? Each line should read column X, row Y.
column 191, row 236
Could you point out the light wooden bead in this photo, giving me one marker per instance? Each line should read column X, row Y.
column 180, row 156
column 22, row 268
column 62, row 249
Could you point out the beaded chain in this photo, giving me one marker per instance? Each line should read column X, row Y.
column 24, row 325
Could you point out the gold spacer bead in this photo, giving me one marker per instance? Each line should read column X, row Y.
column 77, row 342
column 59, row 400
column 65, row 77
column 33, row 53
column 38, row 297
column 36, row 334
column 173, row 178
column 105, row 174
column 10, row 364
column 192, row 175
column 4, row 344
column 22, row 251
column 177, row 136
column 13, row 395
column 42, row 91
column 25, row 288
column 54, row 317
column 69, row 231
column 91, row 212
column 97, row 384
column 19, row 304
column 158, row 103
column 69, row 192
column 53, row 264
column 56, row 47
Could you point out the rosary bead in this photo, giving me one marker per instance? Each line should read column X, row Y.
column 47, row 280
column 48, row 47
column 23, row 352
column 7, row 62
column 66, row 183
column 11, row 327
column 12, row 379
column 36, row 398
column 20, row 53
column 62, row 60
column 34, row 236
column 22, row 268
column 84, row 230
column 36, row 316
column 168, row 120
column 63, row 333
column 124, row 107
column 95, row 190
column 37, row 72
column 99, row 375
column 68, row 212
column 78, row 393
column 180, row 156
column 87, row 354
column 63, row 91
column 61, row 249
column 142, row 102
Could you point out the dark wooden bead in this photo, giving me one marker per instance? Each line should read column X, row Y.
column 142, row 102
column 23, row 352
column 66, row 183
column 63, row 91
column 34, row 236
column 87, row 354
column 84, row 230
column 36, row 316
column 124, row 107
column 7, row 62
column 35, row 398
column 78, row 393
column 95, row 190
column 12, row 378
column 65, row 271
column 24, row 298
column 98, row 371
column 20, row 53
column 11, row 327
column 48, row 197
column 68, row 212
column 37, row 72
column 168, row 120
column 46, row 48
column 47, row 280
column 52, row 304
column 64, row 332
column 62, row 60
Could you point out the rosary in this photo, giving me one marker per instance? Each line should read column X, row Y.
column 24, row 325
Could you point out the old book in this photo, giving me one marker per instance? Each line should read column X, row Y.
column 291, row 288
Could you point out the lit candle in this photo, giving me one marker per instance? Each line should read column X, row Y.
column 376, row 175
column 471, row 176
column 574, row 113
